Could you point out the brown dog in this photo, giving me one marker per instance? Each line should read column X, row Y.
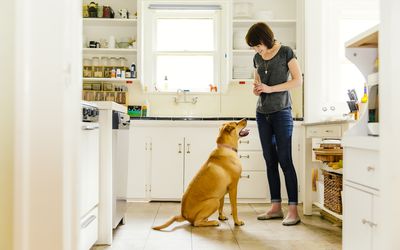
column 218, row 176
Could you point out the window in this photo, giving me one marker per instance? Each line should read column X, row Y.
column 183, row 49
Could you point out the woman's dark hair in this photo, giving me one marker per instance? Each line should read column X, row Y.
column 260, row 33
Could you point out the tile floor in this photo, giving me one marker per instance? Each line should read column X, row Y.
column 313, row 232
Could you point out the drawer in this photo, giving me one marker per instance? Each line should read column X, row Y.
column 253, row 185
column 89, row 230
column 252, row 160
column 324, row 131
column 250, row 142
column 361, row 166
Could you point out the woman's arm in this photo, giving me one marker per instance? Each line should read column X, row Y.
column 257, row 82
column 296, row 80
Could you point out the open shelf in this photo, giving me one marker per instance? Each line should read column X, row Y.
column 93, row 79
column 107, row 51
column 109, row 21
column 367, row 39
column 336, row 215
column 331, row 170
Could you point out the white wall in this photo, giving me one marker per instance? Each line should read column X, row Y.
column 7, row 93
column 389, row 96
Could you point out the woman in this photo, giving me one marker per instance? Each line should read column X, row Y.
column 273, row 63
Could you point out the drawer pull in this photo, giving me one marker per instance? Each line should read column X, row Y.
column 188, row 148
column 247, row 141
column 244, row 156
column 370, row 223
column 245, row 176
column 370, row 169
column 179, row 148
column 328, row 131
column 87, row 222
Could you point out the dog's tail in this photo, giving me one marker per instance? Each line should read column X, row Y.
column 178, row 218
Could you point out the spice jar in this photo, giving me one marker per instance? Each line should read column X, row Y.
column 87, row 67
column 97, row 68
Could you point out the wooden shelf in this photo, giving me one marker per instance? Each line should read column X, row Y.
column 336, row 215
column 331, row 170
column 107, row 51
column 367, row 39
column 93, row 79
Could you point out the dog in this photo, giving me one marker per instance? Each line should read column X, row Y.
column 219, row 175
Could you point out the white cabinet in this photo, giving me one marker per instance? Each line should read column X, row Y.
column 361, row 162
column 140, row 160
column 199, row 143
column 165, row 158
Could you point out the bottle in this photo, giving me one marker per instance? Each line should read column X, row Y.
column 364, row 99
column 113, row 73
column 165, row 83
column 133, row 70
column 127, row 73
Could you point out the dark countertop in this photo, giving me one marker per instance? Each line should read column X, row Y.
column 199, row 118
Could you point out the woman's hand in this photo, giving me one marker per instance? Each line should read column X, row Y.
column 261, row 88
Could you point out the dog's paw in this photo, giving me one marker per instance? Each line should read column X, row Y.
column 239, row 223
column 222, row 217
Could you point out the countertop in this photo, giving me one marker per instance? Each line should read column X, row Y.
column 111, row 106
column 328, row 122
column 187, row 121
column 175, row 118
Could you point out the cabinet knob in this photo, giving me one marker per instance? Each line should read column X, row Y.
column 244, row 141
column 188, row 148
column 244, row 156
column 179, row 148
column 245, row 176
column 370, row 168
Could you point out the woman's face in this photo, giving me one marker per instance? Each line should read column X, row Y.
column 260, row 49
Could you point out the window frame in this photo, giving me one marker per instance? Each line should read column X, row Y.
column 150, row 52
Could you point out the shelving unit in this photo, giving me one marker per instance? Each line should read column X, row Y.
column 102, row 30
column 284, row 26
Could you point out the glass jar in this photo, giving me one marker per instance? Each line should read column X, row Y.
column 96, row 61
column 122, row 62
column 87, row 67
column 113, row 62
column 104, row 61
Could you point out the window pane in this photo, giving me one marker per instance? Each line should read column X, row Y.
column 185, row 35
column 185, row 72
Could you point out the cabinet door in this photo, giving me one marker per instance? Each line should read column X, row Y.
column 357, row 213
column 89, row 170
column 253, row 185
column 139, row 163
column 167, row 163
column 199, row 143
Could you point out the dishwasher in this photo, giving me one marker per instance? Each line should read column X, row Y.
column 120, row 139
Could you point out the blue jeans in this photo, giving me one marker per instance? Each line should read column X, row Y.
column 275, row 132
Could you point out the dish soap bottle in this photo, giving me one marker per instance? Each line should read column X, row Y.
column 165, row 83
column 364, row 99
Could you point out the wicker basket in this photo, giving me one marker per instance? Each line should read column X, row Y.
column 332, row 191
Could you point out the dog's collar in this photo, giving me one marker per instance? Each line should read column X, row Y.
column 227, row 146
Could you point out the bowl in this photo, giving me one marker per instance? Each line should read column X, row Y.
column 123, row 45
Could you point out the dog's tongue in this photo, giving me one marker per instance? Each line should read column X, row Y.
column 244, row 132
